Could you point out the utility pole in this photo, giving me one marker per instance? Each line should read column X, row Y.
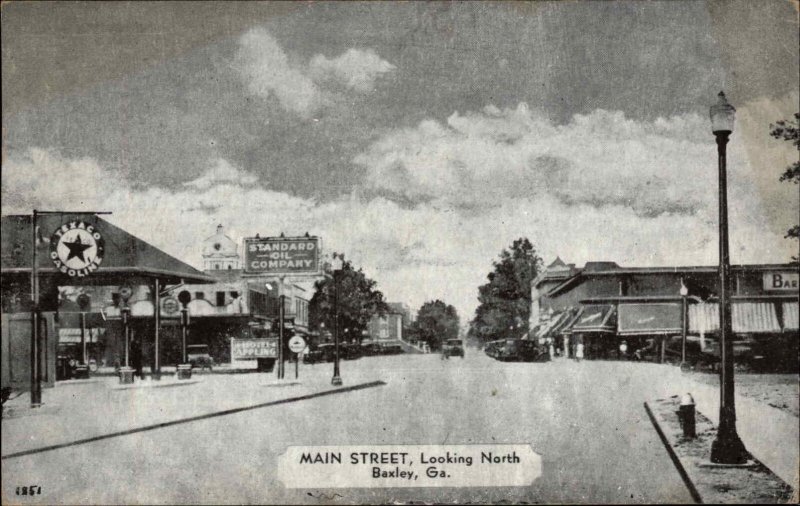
column 36, row 377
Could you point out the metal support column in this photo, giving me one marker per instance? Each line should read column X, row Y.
column 36, row 379
column 157, row 320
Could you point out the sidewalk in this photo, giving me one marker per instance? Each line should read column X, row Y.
column 770, row 434
column 77, row 410
column 750, row 483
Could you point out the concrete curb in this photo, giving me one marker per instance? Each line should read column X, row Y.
column 674, row 457
column 155, row 384
column 195, row 418
column 23, row 411
column 754, row 483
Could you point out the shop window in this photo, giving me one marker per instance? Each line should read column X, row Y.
column 199, row 295
column 234, row 295
column 220, row 299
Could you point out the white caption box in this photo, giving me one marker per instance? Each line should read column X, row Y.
column 380, row 466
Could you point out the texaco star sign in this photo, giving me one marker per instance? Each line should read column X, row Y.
column 77, row 248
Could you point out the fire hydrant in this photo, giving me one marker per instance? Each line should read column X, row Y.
column 686, row 416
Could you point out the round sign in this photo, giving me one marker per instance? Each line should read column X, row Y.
column 84, row 302
column 77, row 248
column 170, row 305
column 125, row 293
column 297, row 344
column 185, row 297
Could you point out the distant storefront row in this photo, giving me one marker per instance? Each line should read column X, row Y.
column 641, row 313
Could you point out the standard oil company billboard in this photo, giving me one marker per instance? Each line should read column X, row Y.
column 281, row 255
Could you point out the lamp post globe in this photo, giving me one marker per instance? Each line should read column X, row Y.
column 723, row 115
column 727, row 448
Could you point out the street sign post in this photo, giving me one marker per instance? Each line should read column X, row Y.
column 296, row 345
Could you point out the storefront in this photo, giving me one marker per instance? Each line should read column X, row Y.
column 765, row 331
column 594, row 327
column 551, row 330
column 646, row 326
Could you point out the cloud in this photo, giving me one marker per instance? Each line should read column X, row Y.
column 222, row 172
column 416, row 253
column 268, row 71
column 355, row 68
column 603, row 158
column 43, row 178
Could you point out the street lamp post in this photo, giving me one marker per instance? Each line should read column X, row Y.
column 84, row 302
column 684, row 308
column 126, row 373
column 184, row 297
column 281, row 323
column 279, row 371
column 336, row 267
column 727, row 448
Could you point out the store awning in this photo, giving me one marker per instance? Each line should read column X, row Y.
column 552, row 325
column 748, row 317
column 654, row 318
column 791, row 316
column 595, row 318
column 566, row 322
column 124, row 255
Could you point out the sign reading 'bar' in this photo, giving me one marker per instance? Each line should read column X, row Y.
column 281, row 255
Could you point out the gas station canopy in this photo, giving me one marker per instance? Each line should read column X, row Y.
column 76, row 249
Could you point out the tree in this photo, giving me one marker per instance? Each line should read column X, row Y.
column 358, row 302
column 436, row 323
column 505, row 301
column 789, row 130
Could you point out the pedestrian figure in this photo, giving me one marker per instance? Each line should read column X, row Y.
column 136, row 356
column 579, row 351
column 623, row 350
column 551, row 349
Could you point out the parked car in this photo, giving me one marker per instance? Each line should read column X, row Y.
column 325, row 352
column 349, row 351
column 198, row 356
column 492, row 348
column 371, row 348
column 391, row 349
column 518, row 350
column 453, row 348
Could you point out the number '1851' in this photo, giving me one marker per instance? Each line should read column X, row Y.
column 30, row 490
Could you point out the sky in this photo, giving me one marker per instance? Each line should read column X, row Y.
column 420, row 139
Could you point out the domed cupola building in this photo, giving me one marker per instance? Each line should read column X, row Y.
column 220, row 252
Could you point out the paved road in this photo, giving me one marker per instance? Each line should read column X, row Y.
column 585, row 419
